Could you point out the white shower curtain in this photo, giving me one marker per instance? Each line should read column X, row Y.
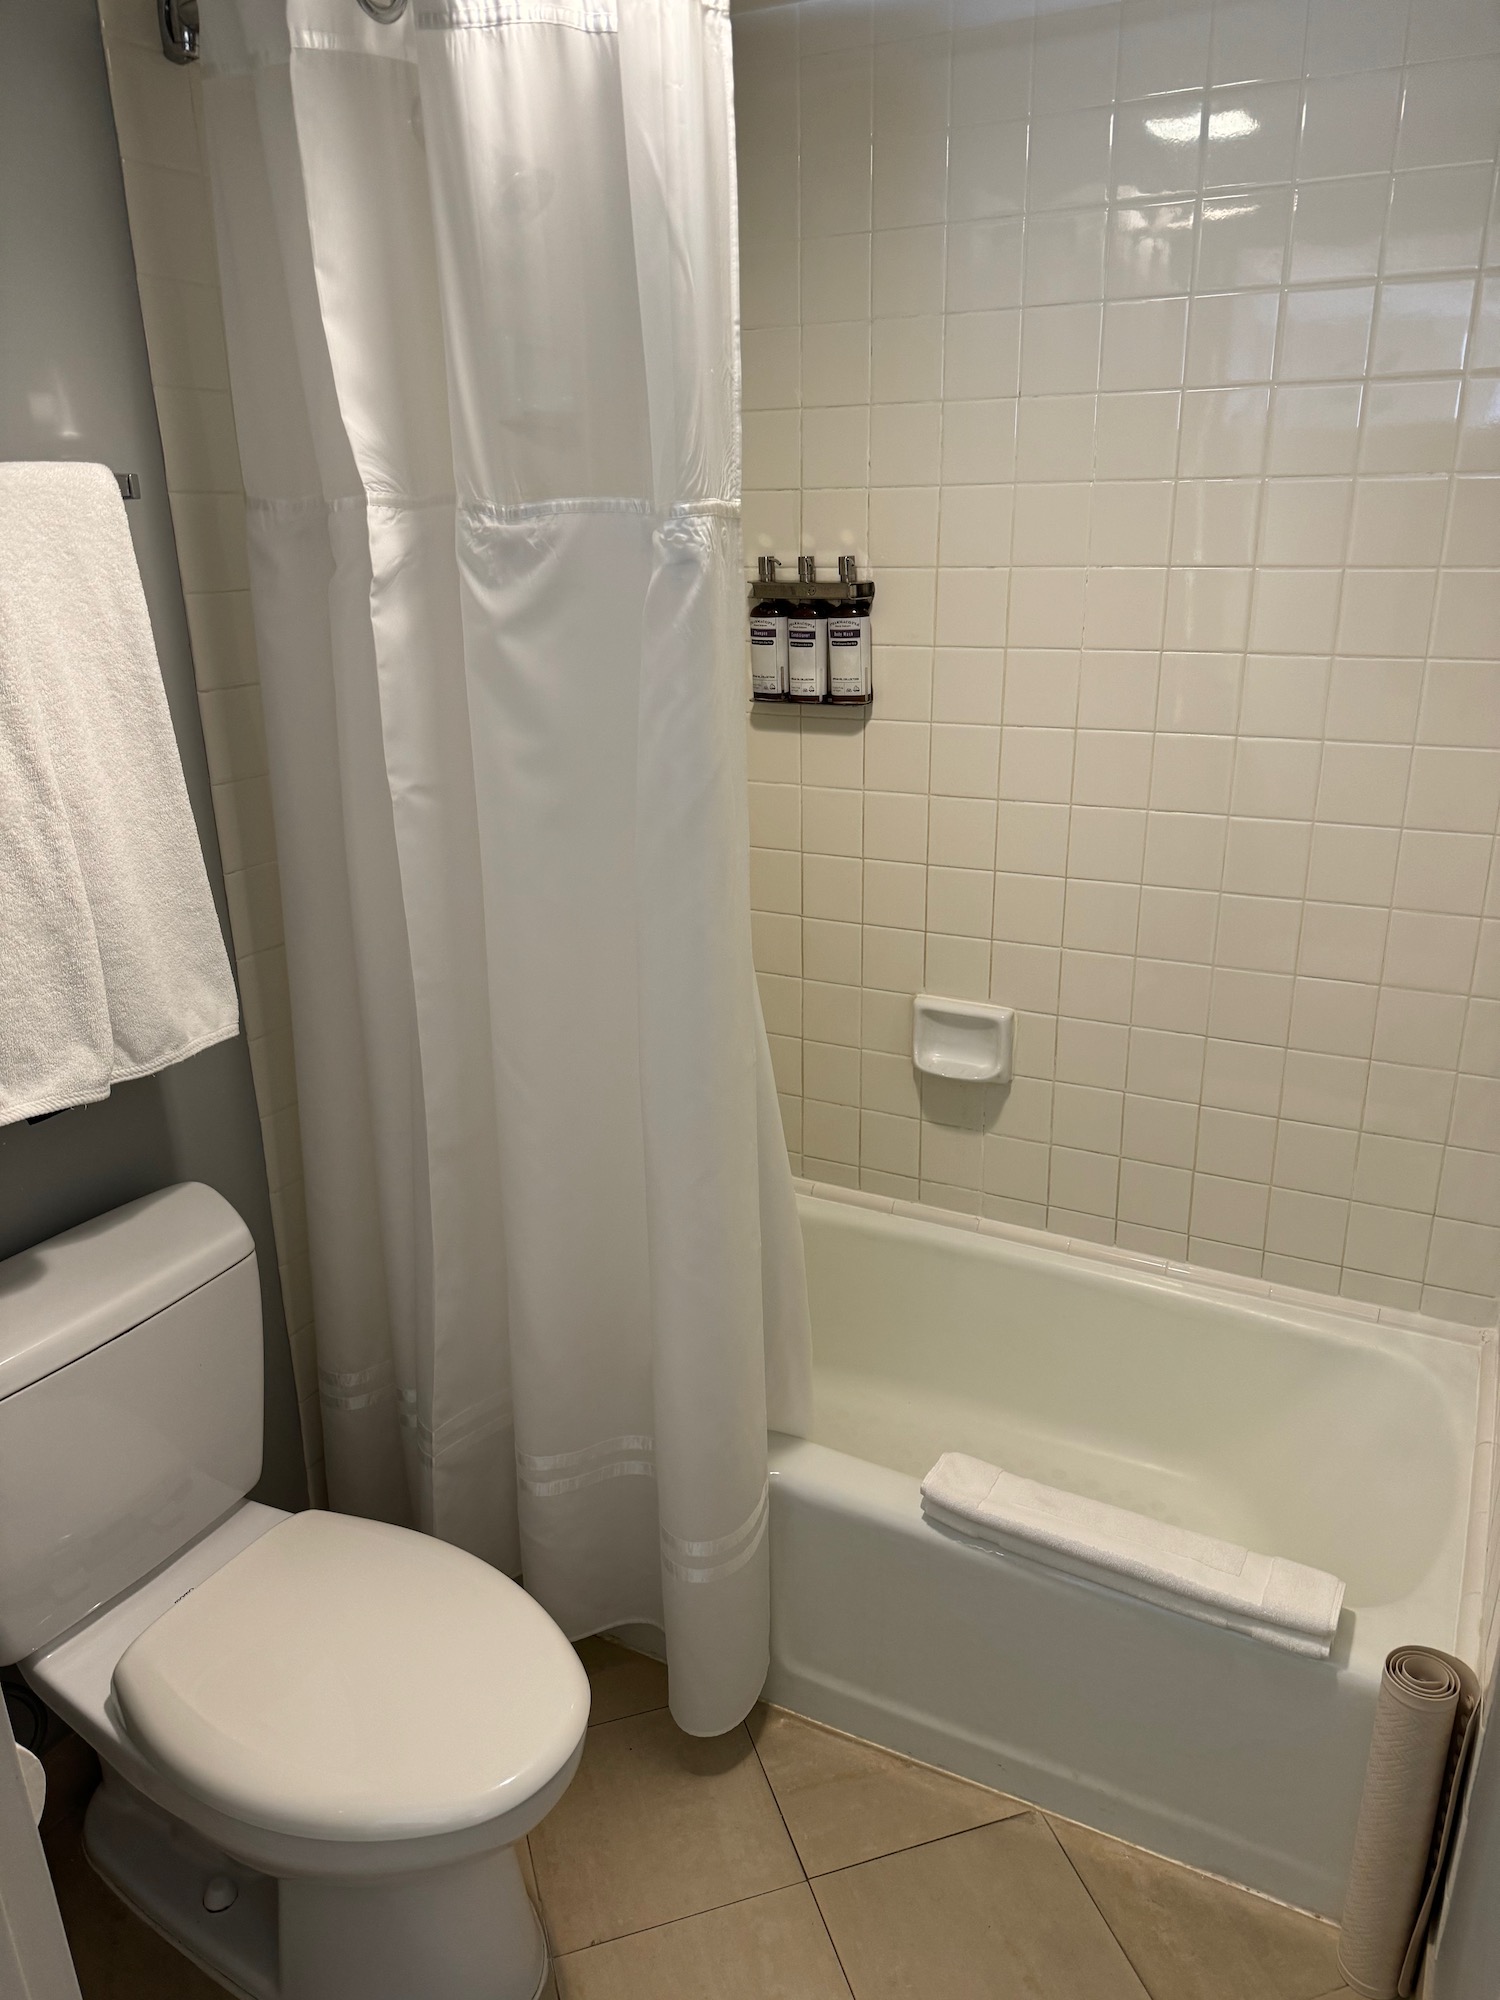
column 479, row 282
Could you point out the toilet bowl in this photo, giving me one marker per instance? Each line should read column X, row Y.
column 321, row 1736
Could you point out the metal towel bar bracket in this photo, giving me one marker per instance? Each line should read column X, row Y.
column 130, row 485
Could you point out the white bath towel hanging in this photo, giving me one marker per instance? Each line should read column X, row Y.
column 1264, row 1597
column 112, row 963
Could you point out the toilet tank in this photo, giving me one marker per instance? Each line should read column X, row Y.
column 130, row 1402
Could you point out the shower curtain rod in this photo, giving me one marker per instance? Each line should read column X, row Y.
column 178, row 21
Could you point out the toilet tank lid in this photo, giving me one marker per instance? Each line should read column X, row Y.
column 71, row 1294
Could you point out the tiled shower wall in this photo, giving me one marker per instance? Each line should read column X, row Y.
column 166, row 192
column 1148, row 354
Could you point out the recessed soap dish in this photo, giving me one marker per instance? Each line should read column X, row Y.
column 965, row 1039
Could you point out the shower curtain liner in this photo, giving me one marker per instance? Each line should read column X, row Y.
column 479, row 275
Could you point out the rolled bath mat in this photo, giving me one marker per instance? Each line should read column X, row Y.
column 1424, row 1725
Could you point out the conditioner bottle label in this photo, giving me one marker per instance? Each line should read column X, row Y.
column 807, row 653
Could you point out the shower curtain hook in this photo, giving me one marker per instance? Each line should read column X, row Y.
column 384, row 11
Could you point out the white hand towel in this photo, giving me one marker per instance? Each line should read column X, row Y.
column 1264, row 1597
column 112, row 963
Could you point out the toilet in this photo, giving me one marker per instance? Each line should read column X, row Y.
column 321, row 1737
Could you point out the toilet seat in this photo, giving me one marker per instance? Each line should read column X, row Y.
column 344, row 1680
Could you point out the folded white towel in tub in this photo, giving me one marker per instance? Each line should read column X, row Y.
column 1265, row 1597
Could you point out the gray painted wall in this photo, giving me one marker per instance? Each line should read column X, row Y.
column 74, row 383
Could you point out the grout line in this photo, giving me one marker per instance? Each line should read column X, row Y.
column 1022, row 1806
column 1024, row 1810
column 1103, row 1918
column 771, row 1788
column 687, row 1917
column 807, row 1879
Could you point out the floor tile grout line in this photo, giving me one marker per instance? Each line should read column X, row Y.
column 553, row 1953
column 687, row 1917
column 634, row 1715
column 934, row 1840
column 1022, row 1807
column 630, row 1715
column 731, row 1902
column 807, row 1879
column 1103, row 1918
column 775, row 1799
column 833, row 1942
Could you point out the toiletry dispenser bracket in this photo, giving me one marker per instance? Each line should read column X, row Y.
column 828, row 592
column 964, row 1039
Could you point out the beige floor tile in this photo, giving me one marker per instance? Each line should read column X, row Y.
column 116, row 1956
column 995, row 1914
column 1191, row 1938
column 769, row 1948
column 657, row 1825
column 621, row 1682
column 846, row 1801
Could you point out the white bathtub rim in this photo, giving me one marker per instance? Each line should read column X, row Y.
column 1350, row 1322
column 1364, row 1636
column 1198, row 1279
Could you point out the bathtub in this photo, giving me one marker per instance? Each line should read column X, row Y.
column 1346, row 1436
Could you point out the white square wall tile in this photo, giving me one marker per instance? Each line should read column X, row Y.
column 1351, row 35
column 1140, row 369
column 1060, row 349
column 981, row 354
column 987, row 170
column 975, row 528
column 1325, row 333
column 907, row 271
column 1069, row 159
column 1232, row 337
column 1337, row 229
column 1144, row 342
column 1398, row 522
column 903, row 526
column 835, row 447
column 1450, row 112
column 835, row 368
column 1349, row 124
column 906, row 360
column 1422, row 328
column 971, row 607
column 905, row 444
column 1252, row 131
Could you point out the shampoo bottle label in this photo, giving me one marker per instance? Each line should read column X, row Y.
column 768, row 657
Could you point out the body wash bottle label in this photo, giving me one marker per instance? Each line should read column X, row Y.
column 849, row 659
